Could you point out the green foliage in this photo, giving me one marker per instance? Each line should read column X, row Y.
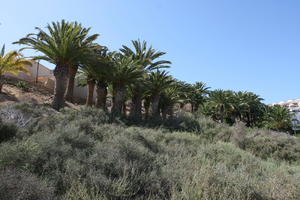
column 62, row 43
column 16, row 184
column 85, row 155
column 7, row 131
column 23, row 85
column 12, row 62
column 277, row 118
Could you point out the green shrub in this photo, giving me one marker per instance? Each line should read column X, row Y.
column 16, row 184
column 7, row 131
column 85, row 155
column 23, row 85
column 225, row 172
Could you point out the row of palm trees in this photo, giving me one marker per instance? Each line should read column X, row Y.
column 232, row 107
column 134, row 73
column 129, row 71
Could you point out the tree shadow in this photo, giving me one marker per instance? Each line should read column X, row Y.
column 5, row 96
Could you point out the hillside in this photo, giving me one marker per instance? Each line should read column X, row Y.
column 21, row 91
column 87, row 155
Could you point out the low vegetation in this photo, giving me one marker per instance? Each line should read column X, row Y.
column 86, row 154
column 227, row 146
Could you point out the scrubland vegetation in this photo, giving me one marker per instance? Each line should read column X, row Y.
column 86, row 154
column 226, row 147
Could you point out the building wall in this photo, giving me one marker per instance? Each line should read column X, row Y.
column 34, row 70
column 46, row 78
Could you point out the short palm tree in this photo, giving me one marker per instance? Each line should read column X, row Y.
column 125, row 71
column 11, row 63
column 147, row 58
column 197, row 95
column 278, row 118
column 168, row 99
column 97, row 71
column 65, row 45
column 221, row 102
column 247, row 107
column 157, row 82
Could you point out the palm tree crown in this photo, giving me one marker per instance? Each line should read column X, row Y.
column 65, row 44
column 12, row 63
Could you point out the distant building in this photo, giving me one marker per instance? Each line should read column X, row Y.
column 294, row 108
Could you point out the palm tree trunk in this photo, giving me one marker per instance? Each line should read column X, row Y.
column 192, row 107
column 61, row 77
column 154, row 106
column 222, row 115
column 71, row 81
column 124, row 108
column 118, row 99
column 90, row 95
column 1, row 84
column 147, row 108
column 196, row 107
column 164, row 113
column 171, row 111
column 101, row 95
column 136, row 110
column 181, row 105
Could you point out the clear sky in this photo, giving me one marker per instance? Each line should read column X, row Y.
column 249, row 45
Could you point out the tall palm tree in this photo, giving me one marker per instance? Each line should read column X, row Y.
column 157, row 82
column 88, row 43
column 64, row 44
column 125, row 71
column 147, row 58
column 11, row 63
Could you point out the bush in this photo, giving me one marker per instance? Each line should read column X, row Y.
column 23, row 85
column 16, row 184
column 85, row 155
column 225, row 172
column 262, row 143
column 7, row 131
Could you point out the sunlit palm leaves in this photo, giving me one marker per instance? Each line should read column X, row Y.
column 12, row 63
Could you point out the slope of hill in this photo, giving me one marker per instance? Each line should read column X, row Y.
column 20, row 91
column 86, row 155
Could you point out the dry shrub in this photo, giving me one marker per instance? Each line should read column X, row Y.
column 16, row 184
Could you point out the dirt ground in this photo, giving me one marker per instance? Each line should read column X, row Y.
column 12, row 94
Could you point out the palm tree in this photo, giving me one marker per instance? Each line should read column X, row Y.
column 221, row 102
column 90, row 81
column 102, row 75
column 147, row 58
column 168, row 99
column 96, row 71
column 125, row 71
column 197, row 95
column 278, row 118
column 65, row 45
column 157, row 82
column 11, row 63
column 88, row 43
column 184, row 91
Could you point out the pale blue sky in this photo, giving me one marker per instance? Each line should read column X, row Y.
column 251, row 45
